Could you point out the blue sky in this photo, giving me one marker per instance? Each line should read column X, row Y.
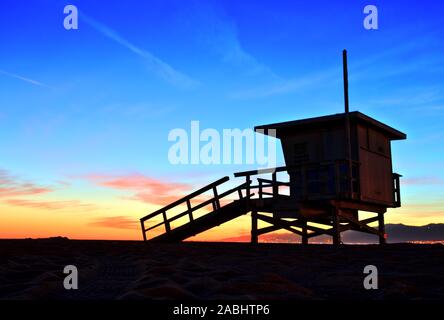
column 104, row 97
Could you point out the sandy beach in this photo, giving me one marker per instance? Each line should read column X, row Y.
column 33, row 269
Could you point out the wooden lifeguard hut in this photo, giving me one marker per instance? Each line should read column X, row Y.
column 338, row 166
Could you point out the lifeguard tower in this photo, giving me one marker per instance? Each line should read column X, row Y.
column 337, row 166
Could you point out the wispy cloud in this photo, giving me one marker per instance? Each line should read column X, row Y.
column 424, row 64
column 424, row 205
column 11, row 186
column 418, row 96
column 222, row 36
column 423, row 181
column 25, row 79
column 116, row 222
column 286, row 86
column 146, row 189
column 51, row 205
column 227, row 43
column 361, row 68
column 155, row 64
column 136, row 181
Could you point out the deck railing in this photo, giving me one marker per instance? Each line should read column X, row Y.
column 309, row 180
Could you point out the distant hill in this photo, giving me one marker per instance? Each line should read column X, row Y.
column 400, row 233
column 396, row 233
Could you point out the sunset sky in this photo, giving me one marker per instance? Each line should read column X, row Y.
column 85, row 114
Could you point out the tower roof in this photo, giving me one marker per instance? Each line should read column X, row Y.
column 289, row 127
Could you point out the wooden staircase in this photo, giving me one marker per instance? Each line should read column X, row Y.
column 219, row 214
column 206, row 222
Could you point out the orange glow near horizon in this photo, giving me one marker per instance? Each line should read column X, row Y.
column 109, row 208
column 94, row 225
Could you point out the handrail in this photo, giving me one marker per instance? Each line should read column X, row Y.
column 186, row 198
column 287, row 168
column 199, row 206
column 271, row 182
column 207, row 202
column 260, row 171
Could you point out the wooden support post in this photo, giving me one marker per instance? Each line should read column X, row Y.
column 382, row 239
column 247, row 180
column 248, row 190
column 260, row 189
column 216, row 198
column 275, row 187
column 254, row 232
column 304, row 231
column 336, row 232
column 190, row 211
column 167, row 223
column 143, row 230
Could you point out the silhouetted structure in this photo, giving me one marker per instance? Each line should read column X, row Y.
column 337, row 165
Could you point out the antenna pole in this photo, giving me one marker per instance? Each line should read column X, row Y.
column 347, row 123
column 345, row 72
